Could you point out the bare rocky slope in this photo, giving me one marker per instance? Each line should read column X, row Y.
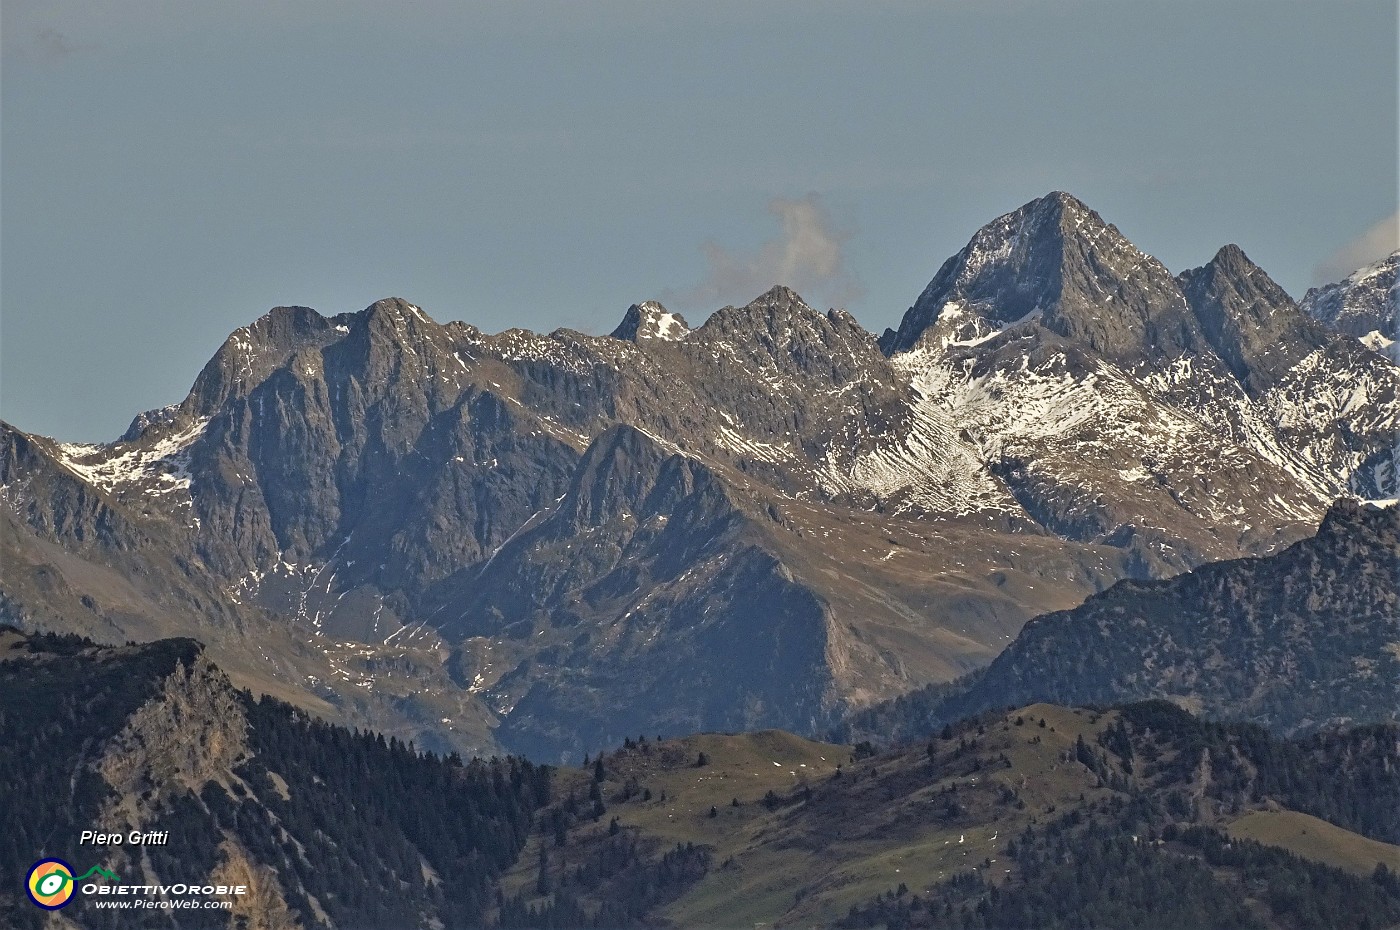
column 549, row 541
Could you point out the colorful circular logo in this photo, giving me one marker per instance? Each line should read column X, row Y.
column 50, row 883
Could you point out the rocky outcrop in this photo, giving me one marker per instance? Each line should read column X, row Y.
column 325, row 827
column 263, row 907
column 192, row 733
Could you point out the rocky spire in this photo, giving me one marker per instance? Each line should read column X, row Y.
column 1250, row 322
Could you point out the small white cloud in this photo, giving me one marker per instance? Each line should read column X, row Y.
column 1369, row 247
column 807, row 256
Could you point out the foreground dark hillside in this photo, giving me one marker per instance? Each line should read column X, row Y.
column 1042, row 816
column 326, row 827
column 1137, row 816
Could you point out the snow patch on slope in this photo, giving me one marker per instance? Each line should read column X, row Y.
column 160, row 467
column 923, row 467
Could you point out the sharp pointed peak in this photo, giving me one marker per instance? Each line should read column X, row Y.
column 1056, row 210
column 779, row 296
column 1232, row 256
column 1056, row 257
column 1059, row 200
column 1230, row 263
column 1057, row 217
column 650, row 320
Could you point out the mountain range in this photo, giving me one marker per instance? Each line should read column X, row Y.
column 546, row 543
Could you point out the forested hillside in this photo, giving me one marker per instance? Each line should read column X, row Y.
column 329, row 828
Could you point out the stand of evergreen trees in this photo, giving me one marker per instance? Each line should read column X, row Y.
column 620, row 875
column 1075, row 874
column 385, row 836
column 1349, row 777
column 61, row 699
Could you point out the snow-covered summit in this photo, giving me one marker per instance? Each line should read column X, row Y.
column 650, row 320
column 1363, row 305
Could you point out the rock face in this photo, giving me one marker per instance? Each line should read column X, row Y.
column 1297, row 641
column 556, row 540
column 192, row 733
column 655, row 602
column 1328, row 398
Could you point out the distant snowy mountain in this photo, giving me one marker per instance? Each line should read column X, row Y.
column 1185, row 419
column 650, row 320
column 1364, row 305
column 552, row 541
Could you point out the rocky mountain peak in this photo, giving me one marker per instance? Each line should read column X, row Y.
column 779, row 332
column 1231, row 257
column 779, row 297
column 1058, row 262
column 779, row 309
column 650, row 320
column 393, row 314
column 777, row 316
column 251, row 352
column 144, row 421
column 393, row 331
column 1232, row 268
column 285, row 325
column 1059, row 209
column 1250, row 322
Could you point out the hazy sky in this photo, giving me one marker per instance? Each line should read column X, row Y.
column 171, row 170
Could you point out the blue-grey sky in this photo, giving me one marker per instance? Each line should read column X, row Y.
column 171, row 170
